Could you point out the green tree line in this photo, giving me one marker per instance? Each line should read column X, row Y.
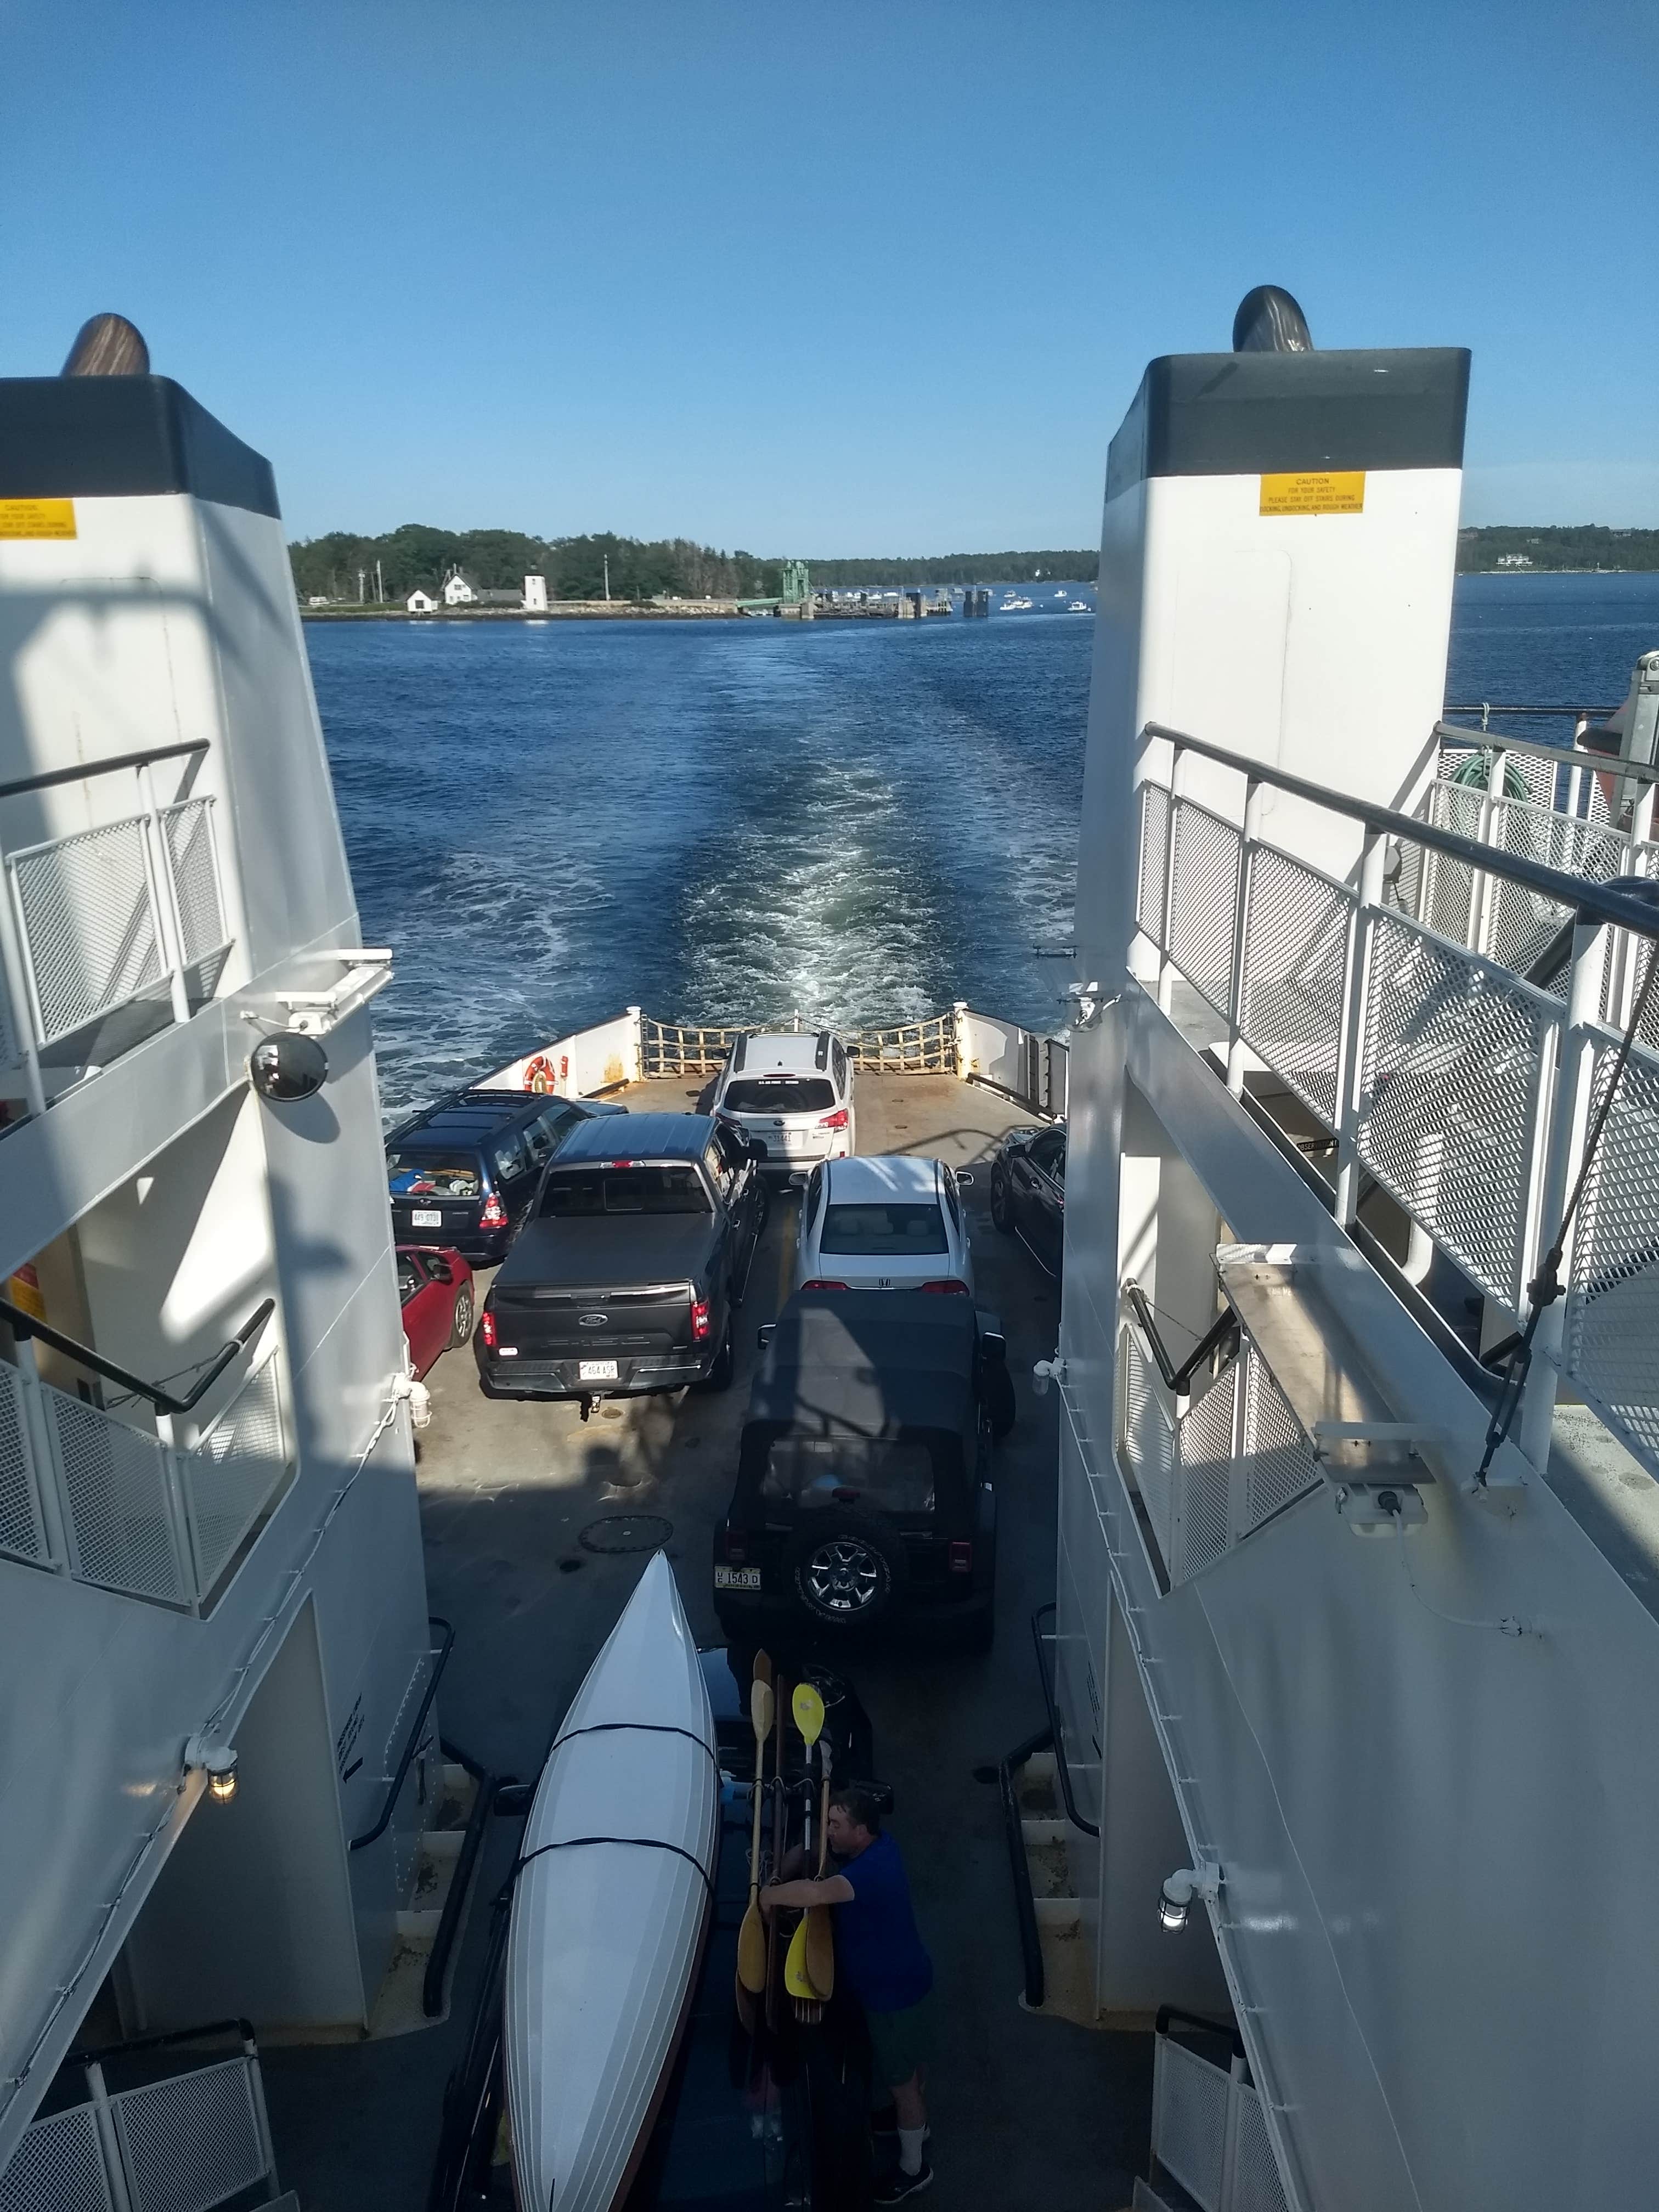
column 417, row 556
column 1060, row 567
column 1579, row 545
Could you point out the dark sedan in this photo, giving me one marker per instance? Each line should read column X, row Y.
column 1028, row 1191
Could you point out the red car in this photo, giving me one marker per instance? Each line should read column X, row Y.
column 435, row 1288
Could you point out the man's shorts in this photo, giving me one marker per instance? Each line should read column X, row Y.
column 903, row 2043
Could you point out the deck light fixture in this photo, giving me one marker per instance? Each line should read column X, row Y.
column 217, row 1761
column 1180, row 1888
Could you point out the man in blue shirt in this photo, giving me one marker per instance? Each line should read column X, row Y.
column 882, row 1958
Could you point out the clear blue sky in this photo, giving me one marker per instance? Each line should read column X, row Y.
column 865, row 278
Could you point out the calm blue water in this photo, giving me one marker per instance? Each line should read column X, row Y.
column 732, row 821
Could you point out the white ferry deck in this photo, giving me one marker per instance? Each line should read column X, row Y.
column 507, row 1489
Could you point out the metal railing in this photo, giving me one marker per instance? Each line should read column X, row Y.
column 97, row 923
column 1439, row 1075
column 1584, row 814
column 127, row 1508
column 1029, row 1067
column 184, row 2143
column 669, row 1048
column 1211, row 1467
column 925, row 1046
column 1210, row 2132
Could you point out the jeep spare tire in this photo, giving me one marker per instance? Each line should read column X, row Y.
column 845, row 1569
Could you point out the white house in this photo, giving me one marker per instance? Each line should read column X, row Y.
column 535, row 595
column 458, row 592
column 420, row 603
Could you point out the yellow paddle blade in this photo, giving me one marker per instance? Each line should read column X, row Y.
column 820, row 1951
column 760, row 1709
column 795, row 1978
column 752, row 1950
column 808, row 1708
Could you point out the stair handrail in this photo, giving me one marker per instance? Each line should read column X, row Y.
column 373, row 1835
column 25, row 1324
column 1039, row 1637
column 1593, row 901
column 83, row 771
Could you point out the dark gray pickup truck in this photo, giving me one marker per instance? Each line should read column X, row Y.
column 623, row 1276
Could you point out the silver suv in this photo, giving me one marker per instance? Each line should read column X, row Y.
column 791, row 1091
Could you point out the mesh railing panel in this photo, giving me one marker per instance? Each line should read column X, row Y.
column 231, row 1475
column 1452, row 1062
column 115, row 1481
column 1295, row 956
column 1256, row 2186
column 22, row 1535
column 1613, row 1308
column 192, row 2141
column 57, row 2166
column 188, row 831
column 1204, row 901
column 11, row 1025
column 1277, row 1465
column 88, row 925
column 1523, row 921
column 1189, row 2125
column 1149, row 1440
column 1204, row 1477
column 1442, row 902
column 1154, row 860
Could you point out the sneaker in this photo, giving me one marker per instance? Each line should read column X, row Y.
column 897, row 2186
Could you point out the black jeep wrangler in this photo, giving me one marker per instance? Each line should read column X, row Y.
column 864, row 1501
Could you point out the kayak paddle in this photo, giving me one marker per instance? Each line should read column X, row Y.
column 751, row 1936
column 808, row 1708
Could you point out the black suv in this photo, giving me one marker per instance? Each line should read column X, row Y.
column 461, row 1173
column 636, row 1250
column 864, row 1498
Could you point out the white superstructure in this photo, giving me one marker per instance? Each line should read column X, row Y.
column 1358, row 1663
column 244, row 1577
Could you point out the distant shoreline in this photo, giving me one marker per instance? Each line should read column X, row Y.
column 555, row 610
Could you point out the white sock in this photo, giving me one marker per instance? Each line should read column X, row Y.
column 910, row 2149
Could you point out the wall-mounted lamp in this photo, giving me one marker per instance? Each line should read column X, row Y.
column 217, row 1761
column 1175, row 1898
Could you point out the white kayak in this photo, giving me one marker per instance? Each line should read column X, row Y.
column 606, row 1934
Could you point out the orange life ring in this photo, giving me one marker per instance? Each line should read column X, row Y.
column 537, row 1075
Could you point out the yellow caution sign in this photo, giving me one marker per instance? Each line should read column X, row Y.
column 23, row 1289
column 37, row 518
column 1329, row 492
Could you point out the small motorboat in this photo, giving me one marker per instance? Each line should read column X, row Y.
column 611, row 1908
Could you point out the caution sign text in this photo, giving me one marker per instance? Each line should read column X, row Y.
column 1329, row 492
column 37, row 518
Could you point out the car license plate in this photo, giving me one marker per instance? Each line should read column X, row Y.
column 427, row 1217
column 596, row 1370
column 736, row 1578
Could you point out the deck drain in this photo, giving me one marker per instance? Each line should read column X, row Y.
column 626, row 1532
